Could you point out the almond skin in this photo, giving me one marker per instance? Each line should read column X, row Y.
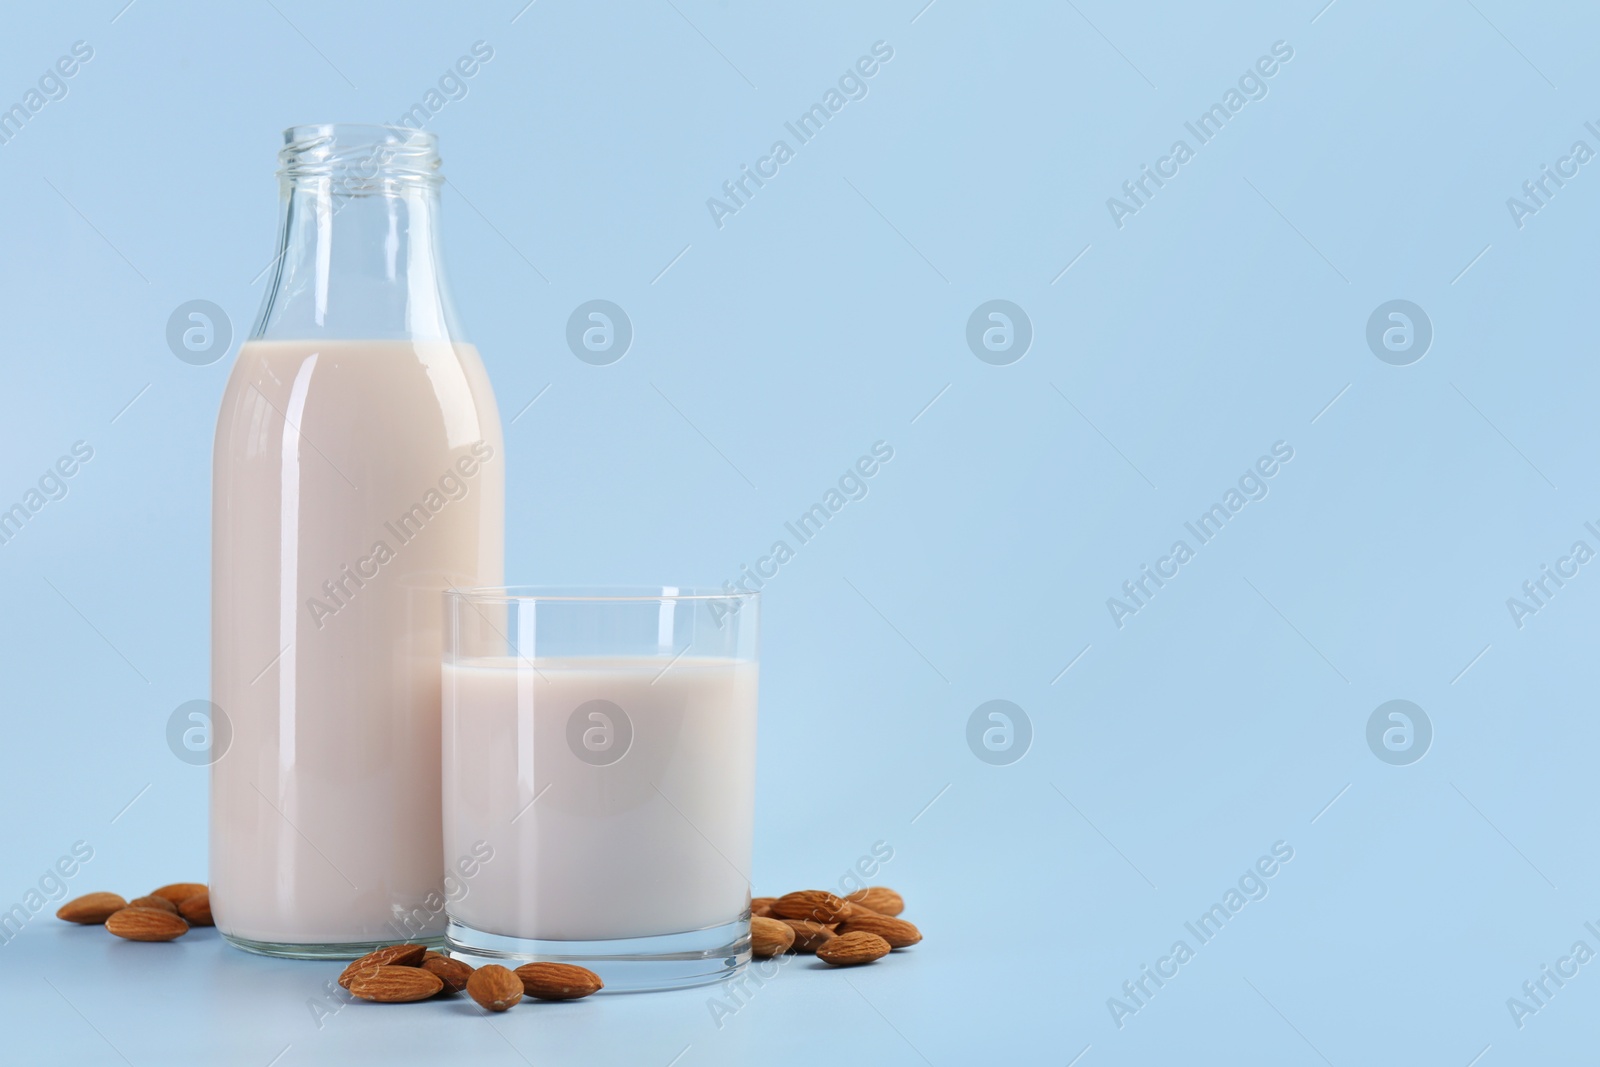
column 453, row 973
column 178, row 892
column 897, row 932
column 881, row 899
column 159, row 903
column 762, row 906
column 815, row 905
column 389, row 984
column 391, row 955
column 850, row 950
column 196, row 909
column 808, row 936
column 769, row 937
column 494, row 987
column 91, row 909
column 558, row 981
column 146, row 924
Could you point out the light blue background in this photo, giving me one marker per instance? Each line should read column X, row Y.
column 1223, row 317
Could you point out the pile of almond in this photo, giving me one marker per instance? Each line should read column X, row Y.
column 843, row 931
column 401, row 974
column 165, row 914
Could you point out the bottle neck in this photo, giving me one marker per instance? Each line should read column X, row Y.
column 358, row 254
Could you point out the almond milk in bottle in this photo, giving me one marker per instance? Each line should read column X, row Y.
column 358, row 472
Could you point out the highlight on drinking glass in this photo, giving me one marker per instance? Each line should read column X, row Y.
column 599, row 755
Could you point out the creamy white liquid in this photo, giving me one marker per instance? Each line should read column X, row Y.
column 325, row 823
column 656, row 842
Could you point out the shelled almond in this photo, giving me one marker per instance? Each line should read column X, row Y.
column 815, row 905
column 146, row 924
column 769, row 937
column 178, row 892
column 91, row 909
column 558, row 981
column 196, row 908
column 453, row 973
column 849, row 950
column 897, row 932
column 881, row 899
column 495, row 987
column 396, row 955
column 391, row 984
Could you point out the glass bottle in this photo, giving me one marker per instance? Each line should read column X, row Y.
column 358, row 472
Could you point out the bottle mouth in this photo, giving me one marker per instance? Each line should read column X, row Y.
column 359, row 157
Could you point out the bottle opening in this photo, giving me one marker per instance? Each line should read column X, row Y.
column 358, row 158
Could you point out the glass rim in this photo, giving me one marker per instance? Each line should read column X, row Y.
column 595, row 593
column 358, row 158
column 372, row 134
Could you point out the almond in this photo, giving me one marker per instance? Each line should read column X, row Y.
column 816, row 905
column 91, row 908
column 808, row 936
column 898, row 932
column 390, row 984
column 146, row 924
column 849, row 950
column 392, row 955
column 878, row 898
column 494, row 987
column 197, row 908
column 769, row 937
column 159, row 903
column 178, row 892
column 762, row 906
column 453, row 973
column 558, row 981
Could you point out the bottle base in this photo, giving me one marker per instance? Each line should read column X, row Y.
column 341, row 951
column 625, row 965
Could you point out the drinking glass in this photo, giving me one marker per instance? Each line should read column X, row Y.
column 599, row 779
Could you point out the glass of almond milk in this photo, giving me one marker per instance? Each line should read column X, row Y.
column 599, row 779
